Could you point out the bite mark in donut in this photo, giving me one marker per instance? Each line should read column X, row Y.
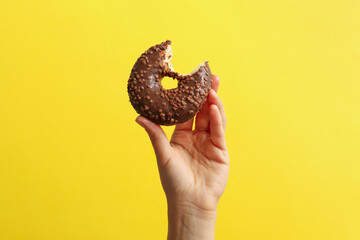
column 167, row 106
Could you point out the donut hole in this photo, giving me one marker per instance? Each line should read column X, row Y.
column 169, row 83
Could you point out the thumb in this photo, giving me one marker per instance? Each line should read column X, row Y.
column 158, row 139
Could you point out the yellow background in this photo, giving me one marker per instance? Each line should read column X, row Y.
column 74, row 165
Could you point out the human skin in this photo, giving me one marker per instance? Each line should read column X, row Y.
column 194, row 168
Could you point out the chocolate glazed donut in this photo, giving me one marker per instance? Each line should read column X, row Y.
column 167, row 106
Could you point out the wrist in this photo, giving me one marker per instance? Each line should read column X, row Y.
column 190, row 222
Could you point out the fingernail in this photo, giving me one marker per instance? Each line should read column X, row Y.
column 137, row 120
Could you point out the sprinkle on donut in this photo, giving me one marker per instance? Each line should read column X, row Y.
column 167, row 106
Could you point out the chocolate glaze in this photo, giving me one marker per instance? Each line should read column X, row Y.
column 166, row 106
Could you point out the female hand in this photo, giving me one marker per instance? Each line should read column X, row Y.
column 193, row 167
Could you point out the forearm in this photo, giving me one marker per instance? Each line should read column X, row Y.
column 188, row 222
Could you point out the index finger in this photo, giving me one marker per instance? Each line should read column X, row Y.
column 216, row 82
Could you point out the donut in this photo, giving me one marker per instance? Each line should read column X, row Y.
column 167, row 106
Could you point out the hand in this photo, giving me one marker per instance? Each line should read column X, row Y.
column 194, row 165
